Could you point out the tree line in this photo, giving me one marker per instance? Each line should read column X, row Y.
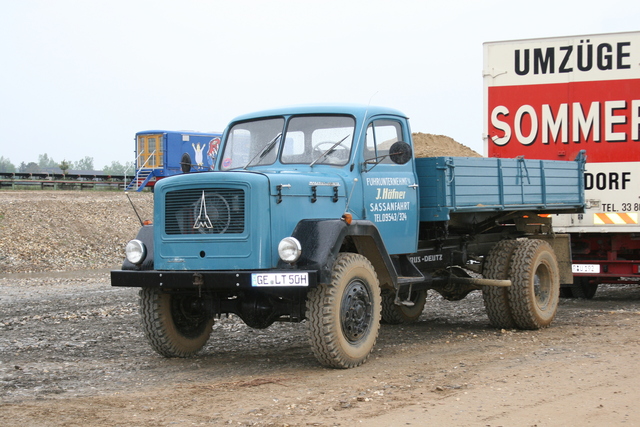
column 47, row 164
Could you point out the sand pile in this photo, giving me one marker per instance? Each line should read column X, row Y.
column 428, row 145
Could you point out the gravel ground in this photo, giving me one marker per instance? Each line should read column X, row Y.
column 72, row 353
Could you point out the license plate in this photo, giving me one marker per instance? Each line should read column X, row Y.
column 585, row 268
column 279, row 279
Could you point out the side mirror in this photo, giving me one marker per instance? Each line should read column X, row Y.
column 400, row 152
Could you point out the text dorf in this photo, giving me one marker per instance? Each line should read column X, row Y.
column 607, row 181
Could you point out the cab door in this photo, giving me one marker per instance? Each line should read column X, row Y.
column 390, row 190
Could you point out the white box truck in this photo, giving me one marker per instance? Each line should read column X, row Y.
column 549, row 98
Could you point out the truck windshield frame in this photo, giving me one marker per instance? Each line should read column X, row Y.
column 309, row 139
column 247, row 143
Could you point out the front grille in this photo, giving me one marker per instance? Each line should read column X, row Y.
column 204, row 211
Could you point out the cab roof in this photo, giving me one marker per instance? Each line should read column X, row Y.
column 360, row 112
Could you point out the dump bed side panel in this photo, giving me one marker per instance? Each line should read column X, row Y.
column 469, row 184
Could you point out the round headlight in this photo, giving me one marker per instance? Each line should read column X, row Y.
column 289, row 249
column 135, row 251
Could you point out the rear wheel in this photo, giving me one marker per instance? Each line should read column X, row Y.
column 582, row 288
column 566, row 292
column 175, row 324
column 343, row 316
column 496, row 298
column 535, row 289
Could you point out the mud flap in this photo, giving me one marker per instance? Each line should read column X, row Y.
column 561, row 244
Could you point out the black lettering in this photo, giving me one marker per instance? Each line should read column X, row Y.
column 622, row 55
column 544, row 58
column 588, row 181
column 563, row 65
column 522, row 71
column 541, row 63
column 589, row 64
column 605, row 59
column 616, row 181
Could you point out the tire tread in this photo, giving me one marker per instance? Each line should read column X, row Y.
column 496, row 299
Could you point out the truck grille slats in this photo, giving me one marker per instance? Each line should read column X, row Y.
column 204, row 211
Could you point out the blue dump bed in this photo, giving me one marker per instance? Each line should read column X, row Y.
column 477, row 184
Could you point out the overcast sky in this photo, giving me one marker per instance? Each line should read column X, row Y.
column 80, row 78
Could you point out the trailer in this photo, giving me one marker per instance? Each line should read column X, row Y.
column 162, row 153
column 551, row 98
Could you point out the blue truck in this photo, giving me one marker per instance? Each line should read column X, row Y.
column 163, row 153
column 323, row 214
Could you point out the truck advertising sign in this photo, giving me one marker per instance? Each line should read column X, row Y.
column 550, row 98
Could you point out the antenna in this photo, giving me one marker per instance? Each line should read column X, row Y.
column 374, row 94
column 134, row 208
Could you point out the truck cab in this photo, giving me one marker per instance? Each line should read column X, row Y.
column 323, row 163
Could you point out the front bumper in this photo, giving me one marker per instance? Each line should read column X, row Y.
column 215, row 280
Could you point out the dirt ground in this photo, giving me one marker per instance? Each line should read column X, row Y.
column 72, row 353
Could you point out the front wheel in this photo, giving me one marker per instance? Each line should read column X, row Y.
column 343, row 316
column 175, row 324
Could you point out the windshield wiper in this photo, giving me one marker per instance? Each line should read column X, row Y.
column 333, row 147
column 265, row 150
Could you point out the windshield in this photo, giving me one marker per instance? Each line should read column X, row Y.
column 252, row 143
column 319, row 140
column 308, row 140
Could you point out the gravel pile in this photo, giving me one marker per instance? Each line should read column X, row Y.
column 47, row 230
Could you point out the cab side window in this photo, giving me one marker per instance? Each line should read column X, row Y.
column 381, row 134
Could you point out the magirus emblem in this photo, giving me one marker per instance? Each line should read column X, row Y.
column 203, row 220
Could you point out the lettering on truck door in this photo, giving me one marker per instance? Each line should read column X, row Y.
column 390, row 189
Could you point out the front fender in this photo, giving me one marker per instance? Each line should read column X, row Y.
column 321, row 241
